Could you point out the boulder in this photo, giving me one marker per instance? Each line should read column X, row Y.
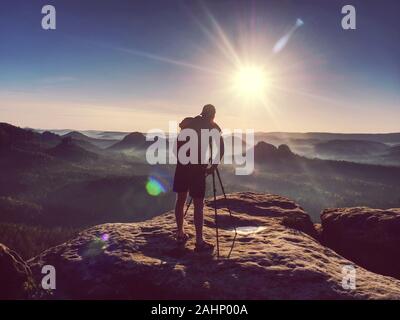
column 369, row 237
column 273, row 258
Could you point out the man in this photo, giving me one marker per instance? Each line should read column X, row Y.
column 191, row 178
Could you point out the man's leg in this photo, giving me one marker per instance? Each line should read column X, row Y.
column 179, row 205
column 198, row 219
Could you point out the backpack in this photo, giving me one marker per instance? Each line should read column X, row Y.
column 196, row 123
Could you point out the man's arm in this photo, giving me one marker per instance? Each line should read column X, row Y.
column 221, row 147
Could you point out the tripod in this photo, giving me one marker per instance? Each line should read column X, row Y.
column 215, row 211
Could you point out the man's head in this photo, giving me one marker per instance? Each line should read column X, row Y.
column 208, row 112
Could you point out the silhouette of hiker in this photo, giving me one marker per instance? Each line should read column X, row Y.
column 191, row 178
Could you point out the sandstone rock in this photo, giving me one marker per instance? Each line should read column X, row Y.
column 16, row 280
column 369, row 237
column 269, row 261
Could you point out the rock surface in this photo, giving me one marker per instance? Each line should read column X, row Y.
column 271, row 259
column 369, row 237
column 16, row 280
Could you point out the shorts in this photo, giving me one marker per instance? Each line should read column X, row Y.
column 190, row 178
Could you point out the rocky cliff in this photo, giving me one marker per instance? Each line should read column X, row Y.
column 16, row 280
column 276, row 256
column 369, row 237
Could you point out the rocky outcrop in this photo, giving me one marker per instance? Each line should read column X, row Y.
column 274, row 257
column 369, row 237
column 16, row 280
column 134, row 140
column 266, row 152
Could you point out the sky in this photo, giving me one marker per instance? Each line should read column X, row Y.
column 136, row 65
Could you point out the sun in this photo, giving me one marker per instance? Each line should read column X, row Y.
column 251, row 82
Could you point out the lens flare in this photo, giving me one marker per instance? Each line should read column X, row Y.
column 105, row 237
column 97, row 246
column 282, row 42
column 154, row 187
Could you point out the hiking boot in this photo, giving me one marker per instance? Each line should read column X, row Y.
column 204, row 247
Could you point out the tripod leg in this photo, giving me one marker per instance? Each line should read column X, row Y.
column 229, row 210
column 220, row 182
column 187, row 207
column 215, row 211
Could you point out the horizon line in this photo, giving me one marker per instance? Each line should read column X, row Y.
column 256, row 132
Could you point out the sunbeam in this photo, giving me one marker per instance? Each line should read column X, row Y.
column 167, row 60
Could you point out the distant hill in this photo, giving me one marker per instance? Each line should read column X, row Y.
column 392, row 155
column 50, row 139
column 267, row 152
column 26, row 139
column 100, row 143
column 69, row 150
column 76, row 135
column 350, row 148
column 284, row 160
column 9, row 132
column 87, row 146
column 325, row 136
column 109, row 135
column 23, row 150
column 134, row 140
column 73, row 188
column 395, row 151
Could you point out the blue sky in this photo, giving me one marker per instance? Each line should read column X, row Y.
column 135, row 65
